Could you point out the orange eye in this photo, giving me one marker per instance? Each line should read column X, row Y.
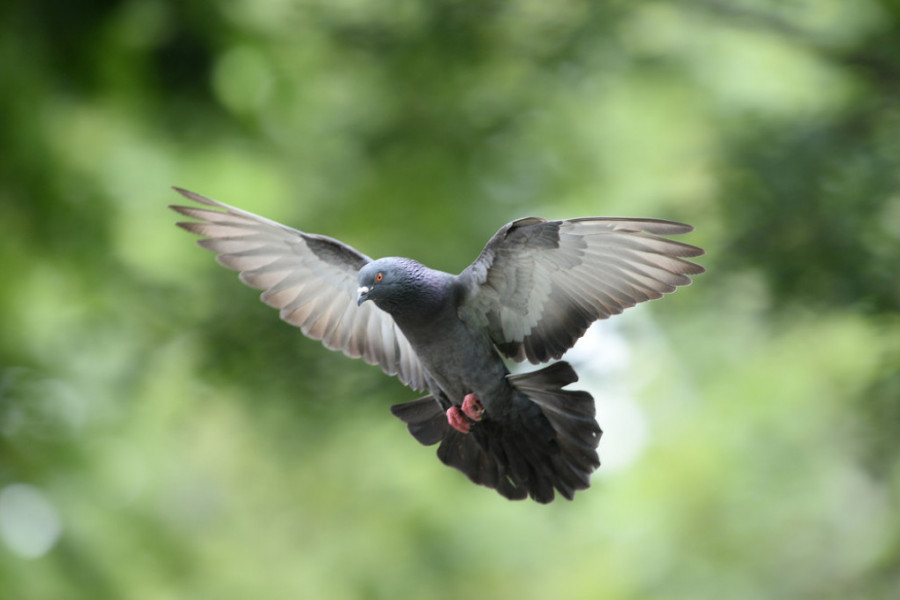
column 379, row 277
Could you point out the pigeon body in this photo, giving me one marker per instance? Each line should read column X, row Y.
column 457, row 356
column 531, row 293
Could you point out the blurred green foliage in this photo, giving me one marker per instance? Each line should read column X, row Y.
column 163, row 435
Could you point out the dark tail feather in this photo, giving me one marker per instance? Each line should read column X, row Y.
column 571, row 414
column 546, row 441
column 424, row 418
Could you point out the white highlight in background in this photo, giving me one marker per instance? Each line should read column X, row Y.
column 602, row 359
column 29, row 524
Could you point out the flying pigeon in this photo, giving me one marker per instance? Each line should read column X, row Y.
column 531, row 293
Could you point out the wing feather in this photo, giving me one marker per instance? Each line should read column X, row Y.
column 539, row 284
column 310, row 279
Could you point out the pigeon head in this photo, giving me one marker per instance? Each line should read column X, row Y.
column 388, row 282
column 404, row 288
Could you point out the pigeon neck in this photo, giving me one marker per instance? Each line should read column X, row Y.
column 422, row 302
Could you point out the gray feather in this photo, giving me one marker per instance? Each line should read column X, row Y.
column 538, row 285
column 311, row 279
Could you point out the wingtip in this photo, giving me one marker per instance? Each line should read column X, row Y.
column 673, row 227
column 691, row 251
column 186, row 211
column 189, row 226
column 195, row 196
column 191, row 212
column 182, row 191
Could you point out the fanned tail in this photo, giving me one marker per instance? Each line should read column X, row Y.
column 547, row 440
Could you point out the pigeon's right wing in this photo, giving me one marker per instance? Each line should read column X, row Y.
column 311, row 279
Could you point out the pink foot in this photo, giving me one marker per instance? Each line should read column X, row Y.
column 472, row 407
column 458, row 420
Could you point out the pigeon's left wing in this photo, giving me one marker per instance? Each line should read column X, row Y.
column 311, row 279
column 539, row 284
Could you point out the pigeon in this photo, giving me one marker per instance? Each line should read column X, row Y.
column 529, row 296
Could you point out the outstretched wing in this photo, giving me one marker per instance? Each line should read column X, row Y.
column 311, row 279
column 539, row 284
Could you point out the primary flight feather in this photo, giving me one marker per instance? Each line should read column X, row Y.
column 532, row 292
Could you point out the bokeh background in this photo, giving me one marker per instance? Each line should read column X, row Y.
column 163, row 435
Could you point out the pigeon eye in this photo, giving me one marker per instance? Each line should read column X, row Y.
column 379, row 277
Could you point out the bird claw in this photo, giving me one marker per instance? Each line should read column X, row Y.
column 458, row 420
column 472, row 407
column 461, row 418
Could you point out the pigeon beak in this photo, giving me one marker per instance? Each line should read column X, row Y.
column 363, row 294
